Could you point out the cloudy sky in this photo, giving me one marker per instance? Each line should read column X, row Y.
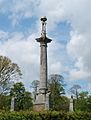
column 69, row 26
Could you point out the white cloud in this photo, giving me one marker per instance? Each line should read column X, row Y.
column 3, row 35
column 76, row 12
column 17, row 10
column 79, row 46
column 57, row 67
column 79, row 75
column 24, row 52
column 55, row 59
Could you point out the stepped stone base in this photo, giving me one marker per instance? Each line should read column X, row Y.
column 39, row 107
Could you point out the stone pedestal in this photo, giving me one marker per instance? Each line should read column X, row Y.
column 39, row 107
column 47, row 101
column 42, row 102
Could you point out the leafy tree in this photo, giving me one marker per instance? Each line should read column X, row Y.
column 35, row 84
column 64, row 103
column 83, row 94
column 27, row 101
column 81, row 102
column 89, row 104
column 56, row 86
column 5, row 102
column 23, row 99
column 18, row 91
column 8, row 72
column 74, row 90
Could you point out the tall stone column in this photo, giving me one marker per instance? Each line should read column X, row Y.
column 43, row 66
column 40, row 103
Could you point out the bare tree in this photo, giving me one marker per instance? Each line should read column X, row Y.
column 9, row 72
column 74, row 90
column 35, row 85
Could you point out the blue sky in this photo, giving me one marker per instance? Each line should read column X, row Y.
column 69, row 27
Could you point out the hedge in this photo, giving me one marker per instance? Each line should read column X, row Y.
column 47, row 115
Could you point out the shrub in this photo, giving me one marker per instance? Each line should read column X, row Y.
column 46, row 115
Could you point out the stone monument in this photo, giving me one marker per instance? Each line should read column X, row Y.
column 71, row 105
column 12, row 104
column 41, row 102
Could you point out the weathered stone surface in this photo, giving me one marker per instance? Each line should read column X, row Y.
column 39, row 107
column 12, row 104
column 71, row 104
column 41, row 102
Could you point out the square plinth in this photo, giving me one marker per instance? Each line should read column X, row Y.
column 39, row 107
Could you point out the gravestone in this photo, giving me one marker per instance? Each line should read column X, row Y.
column 12, row 104
column 71, row 104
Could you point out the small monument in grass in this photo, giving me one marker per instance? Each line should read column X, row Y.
column 12, row 104
column 71, row 105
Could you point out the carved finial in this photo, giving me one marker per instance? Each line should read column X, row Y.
column 43, row 33
column 43, row 19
